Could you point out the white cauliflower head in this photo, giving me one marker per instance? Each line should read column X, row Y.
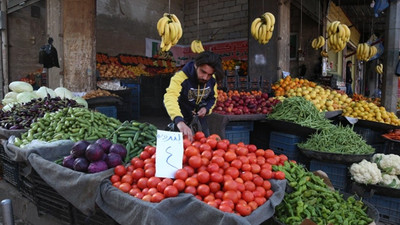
column 389, row 164
column 390, row 181
column 366, row 172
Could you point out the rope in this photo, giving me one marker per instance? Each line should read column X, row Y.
column 198, row 19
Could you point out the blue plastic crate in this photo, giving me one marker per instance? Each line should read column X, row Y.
column 337, row 173
column 369, row 135
column 135, row 99
column 388, row 208
column 284, row 138
column 286, row 144
column 110, row 111
column 238, row 131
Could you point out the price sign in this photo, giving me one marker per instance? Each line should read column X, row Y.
column 169, row 153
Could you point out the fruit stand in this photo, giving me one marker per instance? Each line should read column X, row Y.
column 225, row 177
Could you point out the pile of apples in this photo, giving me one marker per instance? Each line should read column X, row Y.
column 239, row 103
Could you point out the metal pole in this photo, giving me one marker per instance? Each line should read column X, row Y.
column 4, row 48
column 8, row 216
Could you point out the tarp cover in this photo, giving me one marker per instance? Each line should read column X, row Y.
column 183, row 209
column 80, row 189
column 6, row 133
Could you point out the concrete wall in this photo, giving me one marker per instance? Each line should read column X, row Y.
column 312, row 58
column 122, row 26
column 219, row 20
column 26, row 34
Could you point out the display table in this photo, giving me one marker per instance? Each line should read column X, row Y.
column 218, row 122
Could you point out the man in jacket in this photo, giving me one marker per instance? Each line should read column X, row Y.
column 193, row 91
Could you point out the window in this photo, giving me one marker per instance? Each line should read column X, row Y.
column 293, row 46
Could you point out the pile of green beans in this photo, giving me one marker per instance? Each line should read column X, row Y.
column 134, row 136
column 300, row 111
column 312, row 199
column 337, row 139
column 70, row 123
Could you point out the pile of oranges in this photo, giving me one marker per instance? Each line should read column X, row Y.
column 282, row 87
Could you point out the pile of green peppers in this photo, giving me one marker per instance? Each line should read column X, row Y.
column 311, row 198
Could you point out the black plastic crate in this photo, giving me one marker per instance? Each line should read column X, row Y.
column 369, row 135
column 11, row 173
column 392, row 147
column 99, row 218
column 27, row 189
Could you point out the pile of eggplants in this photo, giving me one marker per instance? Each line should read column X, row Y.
column 22, row 115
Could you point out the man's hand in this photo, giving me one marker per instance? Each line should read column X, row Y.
column 202, row 112
column 186, row 131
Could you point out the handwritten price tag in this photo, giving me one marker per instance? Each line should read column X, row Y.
column 169, row 153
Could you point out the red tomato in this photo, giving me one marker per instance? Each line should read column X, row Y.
column 203, row 140
column 230, row 185
column 269, row 153
column 120, row 170
column 279, row 175
column 179, row 184
column 196, row 144
column 189, row 169
column 150, row 172
column 283, row 158
column 250, row 186
column 142, row 182
column 195, row 161
column 258, row 181
column 181, row 174
column 151, row 150
column 269, row 193
column 241, row 150
column 125, row 187
column 149, row 165
column 134, row 191
column 161, row 186
column 218, row 195
column 114, row 178
column 212, row 167
column 225, row 208
column 147, row 198
column 260, row 200
column 170, row 191
column 198, row 135
column 139, row 195
column 247, row 196
column 213, row 204
column 127, row 179
column 229, row 203
column 144, row 155
column 253, row 205
column 191, row 151
column 252, row 148
column 267, row 185
column 266, row 166
column 168, row 181
column 232, row 171
column 260, row 160
column 204, row 162
column 231, row 195
column 191, row 181
column 212, row 142
column 233, row 147
column 203, row 177
column 229, row 156
column 215, row 137
column 222, row 145
column 157, row 197
column 216, row 177
column 214, row 187
column 191, row 190
column 116, row 184
column 243, row 209
column 152, row 191
column 266, row 174
column 218, row 160
column 138, row 163
column 205, row 147
column 219, row 152
column 260, row 190
column 246, row 167
column 152, row 182
column 244, row 159
column 207, row 154
column 255, row 168
column 246, row 176
column 241, row 187
column 209, row 198
column 186, row 143
column 260, row 152
column 203, row 190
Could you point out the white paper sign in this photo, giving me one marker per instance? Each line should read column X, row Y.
column 169, row 154
column 351, row 120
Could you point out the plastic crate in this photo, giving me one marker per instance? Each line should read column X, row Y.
column 392, row 147
column 238, row 131
column 337, row 173
column 48, row 201
column 388, row 208
column 369, row 135
column 10, row 169
column 27, row 188
column 99, row 218
column 110, row 111
column 286, row 144
column 379, row 147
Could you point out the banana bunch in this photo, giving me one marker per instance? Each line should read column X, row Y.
column 338, row 36
column 170, row 29
column 379, row 68
column 324, row 53
column 196, row 46
column 262, row 27
column 365, row 51
column 318, row 42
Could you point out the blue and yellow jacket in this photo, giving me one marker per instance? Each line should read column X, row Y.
column 185, row 93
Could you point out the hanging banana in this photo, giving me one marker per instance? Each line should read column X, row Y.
column 262, row 28
column 196, row 46
column 379, row 68
column 318, row 42
column 170, row 29
column 365, row 52
column 338, row 36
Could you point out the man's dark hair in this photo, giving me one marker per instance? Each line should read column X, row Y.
column 348, row 62
column 213, row 60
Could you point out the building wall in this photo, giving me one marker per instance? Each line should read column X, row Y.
column 219, row 20
column 123, row 26
column 26, row 34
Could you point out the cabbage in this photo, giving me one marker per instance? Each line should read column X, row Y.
column 43, row 91
column 11, row 94
column 26, row 96
column 63, row 93
column 20, row 86
column 81, row 101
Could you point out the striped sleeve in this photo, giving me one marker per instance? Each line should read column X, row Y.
column 172, row 95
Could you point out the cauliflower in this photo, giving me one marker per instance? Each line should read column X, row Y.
column 366, row 172
column 389, row 164
column 390, row 181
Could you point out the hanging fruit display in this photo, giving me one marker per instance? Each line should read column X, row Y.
column 170, row 29
column 379, row 68
column 318, row 42
column 197, row 46
column 338, row 36
column 365, row 51
column 262, row 28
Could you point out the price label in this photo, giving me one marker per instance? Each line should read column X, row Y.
column 169, row 153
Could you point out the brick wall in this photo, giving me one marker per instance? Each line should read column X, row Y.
column 218, row 20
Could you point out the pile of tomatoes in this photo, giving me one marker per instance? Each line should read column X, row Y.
column 231, row 177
